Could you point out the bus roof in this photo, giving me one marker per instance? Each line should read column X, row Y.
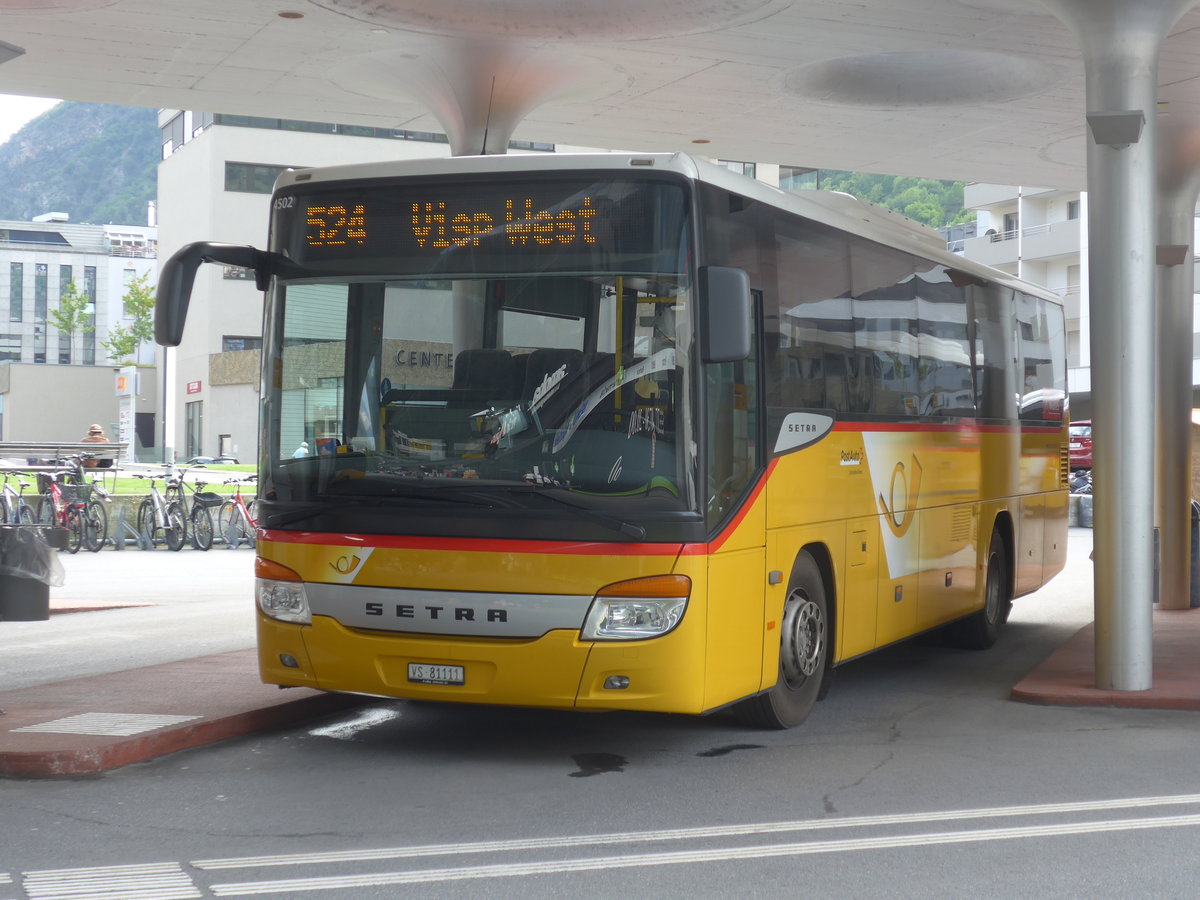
column 832, row 208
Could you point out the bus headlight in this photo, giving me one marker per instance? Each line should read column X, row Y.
column 638, row 609
column 283, row 600
column 280, row 593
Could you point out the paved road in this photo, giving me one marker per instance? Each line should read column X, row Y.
column 917, row 777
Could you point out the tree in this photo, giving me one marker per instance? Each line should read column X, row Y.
column 73, row 314
column 931, row 202
column 122, row 343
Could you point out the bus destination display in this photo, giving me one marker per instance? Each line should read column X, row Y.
column 436, row 228
column 465, row 226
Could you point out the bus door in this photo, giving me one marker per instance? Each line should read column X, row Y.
column 735, row 503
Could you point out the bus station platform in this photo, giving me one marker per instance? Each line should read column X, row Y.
column 90, row 725
column 1067, row 676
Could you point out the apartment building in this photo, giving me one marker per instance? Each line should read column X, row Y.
column 40, row 260
column 1041, row 235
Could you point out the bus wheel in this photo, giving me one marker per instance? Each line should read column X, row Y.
column 803, row 653
column 980, row 630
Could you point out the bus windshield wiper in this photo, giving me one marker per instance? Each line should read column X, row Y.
column 637, row 532
column 380, row 502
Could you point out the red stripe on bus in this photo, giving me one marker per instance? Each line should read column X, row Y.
column 703, row 549
column 472, row 545
column 905, row 427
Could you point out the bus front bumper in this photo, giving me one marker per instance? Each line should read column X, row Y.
column 557, row 670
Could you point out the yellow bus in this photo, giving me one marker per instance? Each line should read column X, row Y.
column 632, row 432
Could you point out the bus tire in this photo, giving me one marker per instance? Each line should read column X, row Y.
column 979, row 630
column 803, row 653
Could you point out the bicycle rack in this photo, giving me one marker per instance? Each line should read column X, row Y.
column 124, row 529
column 232, row 541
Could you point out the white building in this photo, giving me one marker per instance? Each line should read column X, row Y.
column 39, row 260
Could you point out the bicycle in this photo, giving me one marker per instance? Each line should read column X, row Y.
column 94, row 516
column 236, row 519
column 15, row 510
column 62, row 505
column 199, row 511
column 157, row 516
column 66, row 501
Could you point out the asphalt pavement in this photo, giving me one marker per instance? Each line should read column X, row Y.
column 150, row 652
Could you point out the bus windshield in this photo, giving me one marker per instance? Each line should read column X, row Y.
column 545, row 396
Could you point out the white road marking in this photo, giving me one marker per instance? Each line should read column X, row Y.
column 345, row 731
column 110, row 724
column 169, row 881
column 608, row 863
column 154, row 881
column 678, row 834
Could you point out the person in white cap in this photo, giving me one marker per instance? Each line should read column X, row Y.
column 301, row 451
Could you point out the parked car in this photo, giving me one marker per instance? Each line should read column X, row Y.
column 209, row 460
column 1081, row 445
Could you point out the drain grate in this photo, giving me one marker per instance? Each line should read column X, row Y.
column 111, row 724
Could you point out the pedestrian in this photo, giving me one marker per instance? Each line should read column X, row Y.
column 301, row 451
column 95, row 435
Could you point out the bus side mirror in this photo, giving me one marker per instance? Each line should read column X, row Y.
column 726, row 314
column 179, row 274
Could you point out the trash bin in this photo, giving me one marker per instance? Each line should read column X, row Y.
column 28, row 567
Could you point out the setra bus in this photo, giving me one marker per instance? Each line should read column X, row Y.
column 631, row 432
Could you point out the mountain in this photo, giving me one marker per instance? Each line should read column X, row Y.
column 94, row 161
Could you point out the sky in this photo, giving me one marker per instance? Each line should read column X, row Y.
column 16, row 111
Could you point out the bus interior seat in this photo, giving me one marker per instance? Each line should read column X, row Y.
column 559, row 395
column 485, row 369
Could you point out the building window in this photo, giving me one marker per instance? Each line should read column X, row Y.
column 310, row 127
column 10, row 347
column 742, row 168
column 66, row 277
column 1072, row 209
column 250, row 178
column 172, row 136
column 1012, row 224
column 531, row 145
column 126, row 280
column 798, row 178
column 16, row 291
column 240, row 342
column 88, row 331
column 132, row 245
column 41, row 278
column 200, row 121
column 194, row 417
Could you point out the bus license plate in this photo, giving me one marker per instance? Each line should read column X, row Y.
column 423, row 673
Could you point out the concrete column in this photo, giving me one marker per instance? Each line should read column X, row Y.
column 1179, row 184
column 1120, row 40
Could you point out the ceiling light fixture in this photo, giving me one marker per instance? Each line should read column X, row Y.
column 291, row 15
